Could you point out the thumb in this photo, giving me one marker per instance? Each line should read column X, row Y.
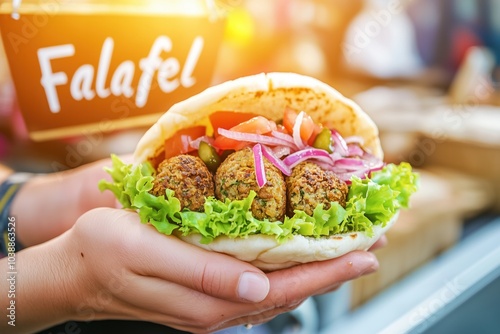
column 174, row 260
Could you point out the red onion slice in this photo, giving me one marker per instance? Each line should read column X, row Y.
column 355, row 140
column 345, row 168
column 354, row 150
column 281, row 151
column 339, row 143
column 260, row 172
column 309, row 153
column 196, row 143
column 296, row 131
column 276, row 161
column 283, row 136
column 349, row 164
column 254, row 138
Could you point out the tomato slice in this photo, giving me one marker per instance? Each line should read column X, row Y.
column 228, row 119
column 308, row 128
column 258, row 125
column 289, row 119
column 223, row 143
column 316, row 130
column 179, row 142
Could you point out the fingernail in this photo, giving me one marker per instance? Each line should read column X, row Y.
column 253, row 287
column 370, row 269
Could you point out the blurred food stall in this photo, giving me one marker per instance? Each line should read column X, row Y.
column 426, row 71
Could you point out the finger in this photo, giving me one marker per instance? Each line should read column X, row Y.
column 299, row 282
column 218, row 275
column 291, row 286
column 171, row 259
column 157, row 300
column 165, row 302
column 381, row 242
column 330, row 289
column 253, row 320
column 225, row 277
column 260, row 317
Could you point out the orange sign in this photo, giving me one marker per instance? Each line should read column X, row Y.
column 75, row 70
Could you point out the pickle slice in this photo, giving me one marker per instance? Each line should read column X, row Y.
column 324, row 140
column 209, row 156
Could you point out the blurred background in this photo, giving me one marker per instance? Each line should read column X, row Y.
column 426, row 71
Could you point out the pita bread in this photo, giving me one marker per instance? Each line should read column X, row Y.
column 266, row 253
column 268, row 95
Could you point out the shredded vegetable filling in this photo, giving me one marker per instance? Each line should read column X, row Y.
column 376, row 191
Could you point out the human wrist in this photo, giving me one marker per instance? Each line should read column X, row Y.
column 74, row 276
column 90, row 282
column 9, row 188
column 49, row 286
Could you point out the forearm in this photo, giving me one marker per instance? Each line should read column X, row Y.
column 40, row 207
column 39, row 289
column 48, row 205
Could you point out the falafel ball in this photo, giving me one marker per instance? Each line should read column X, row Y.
column 236, row 177
column 188, row 177
column 310, row 185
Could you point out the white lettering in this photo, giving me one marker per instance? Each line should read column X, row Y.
column 103, row 67
column 49, row 79
column 194, row 54
column 81, row 84
column 148, row 66
column 168, row 69
column 121, row 83
column 88, row 81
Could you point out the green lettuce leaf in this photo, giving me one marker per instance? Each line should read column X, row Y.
column 370, row 202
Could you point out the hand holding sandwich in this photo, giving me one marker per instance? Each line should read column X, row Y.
column 275, row 169
column 137, row 273
column 109, row 266
column 205, row 270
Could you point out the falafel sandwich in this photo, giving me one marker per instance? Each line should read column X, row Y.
column 274, row 169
